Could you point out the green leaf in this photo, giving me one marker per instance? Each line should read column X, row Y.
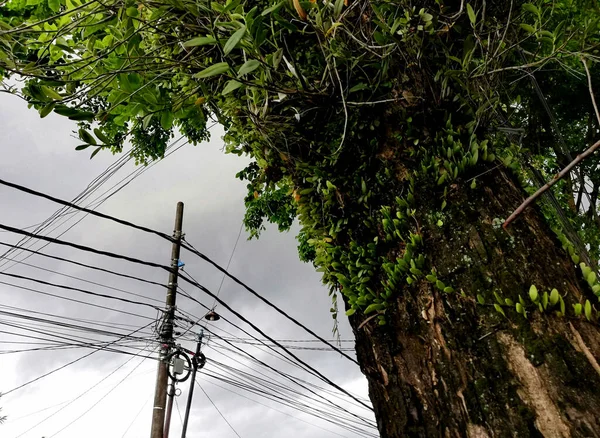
column 372, row 308
column 82, row 147
column 132, row 11
column 474, row 184
column 531, row 8
column 87, row 137
column 527, row 27
column 426, row 17
column 533, row 293
column 54, row 5
column 234, row 40
column 337, row 8
column 248, row 67
column 499, row 309
column 98, row 149
column 471, row 14
column 480, row 299
column 520, row 309
column 273, row 8
column 52, row 94
column 81, row 116
column 509, row 302
column 200, row 41
column 588, row 310
column 577, row 308
column 591, row 279
column 230, row 86
column 46, row 110
column 545, row 300
column 350, row 312
column 213, row 70
column 166, row 120
column 103, row 138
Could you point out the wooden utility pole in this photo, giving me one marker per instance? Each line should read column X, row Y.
column 166, row 333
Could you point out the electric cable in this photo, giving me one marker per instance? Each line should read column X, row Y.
column 274, row 409
column 136, row 416
column 66, row 365
column 37, row 291
column 78, row 397
column 103, row 397
column 240, row 316
column 73, row 262
column 185, row 244
column 229, row 261
column 218, row 410
column 73, row 277
column 307, row 367
column 84, row 291
column 280, row 388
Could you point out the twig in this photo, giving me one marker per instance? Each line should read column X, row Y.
column 589, row 77
column 588, row 354
column 579, row 158
column 345, row 108
column 373, row 102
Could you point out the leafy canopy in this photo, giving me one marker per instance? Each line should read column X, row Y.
column 349, row 109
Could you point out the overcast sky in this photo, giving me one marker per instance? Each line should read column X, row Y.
column 39, row 153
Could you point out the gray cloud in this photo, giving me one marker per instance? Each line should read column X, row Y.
column 39, row 153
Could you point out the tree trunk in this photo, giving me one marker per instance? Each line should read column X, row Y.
column 445, row 365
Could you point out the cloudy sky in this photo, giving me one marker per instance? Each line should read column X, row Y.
column 109, row 394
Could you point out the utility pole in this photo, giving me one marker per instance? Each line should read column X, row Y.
column 198, row 361
column 166, row 334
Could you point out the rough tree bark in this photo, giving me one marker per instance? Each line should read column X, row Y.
column 450, row 367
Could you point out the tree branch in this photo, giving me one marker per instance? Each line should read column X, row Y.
column 579, row 158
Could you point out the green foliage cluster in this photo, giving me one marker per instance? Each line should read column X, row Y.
column 352, row 111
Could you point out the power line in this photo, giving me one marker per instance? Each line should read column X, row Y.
column 104, row 396
column 274, row 409
column 68, row 325
column 69, row 363
column 191, row 248
column 84, row 209
column 136, row 416
column 91, row 188
column 289, row 403
column 240, row 316
column 78, row 397
column 37, row 291
column 73, row 262
column 291, row 378
column 218, row 410
column 267, row 382
column 185, row 244
column 54, row 315
column 84, row 291
column 84, row 248
column 229, row 261
column 73, row 277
